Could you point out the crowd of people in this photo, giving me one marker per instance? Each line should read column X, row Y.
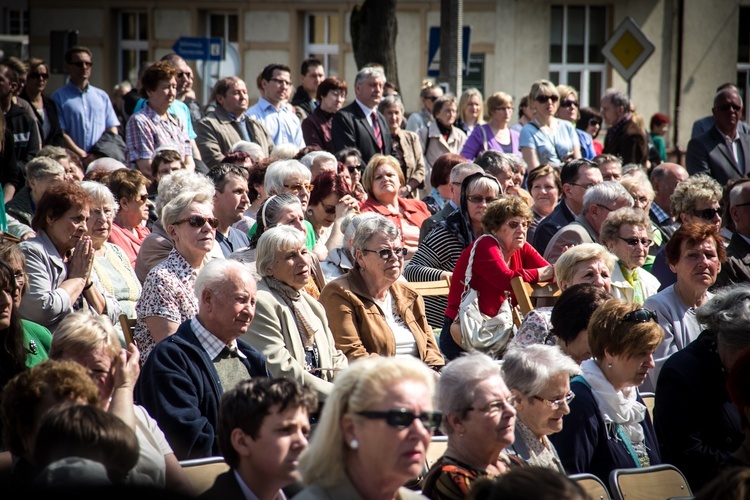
column 182, row 281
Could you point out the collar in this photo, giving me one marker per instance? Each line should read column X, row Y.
column 730, row 139
column 266, row 105
column 210, row 342
column 183, row 270
column 367, row 111
column 660, row 214
column 75, row 87
column 154, row 117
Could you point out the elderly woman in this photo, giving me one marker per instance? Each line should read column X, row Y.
column 168, row 296
column 45, row 108
column 442, row 188
column 316, row 128
column 479, row 420
column 374, row 432
column 441, row 136
column 130, row 189
column 351, row 158
column 568, row 110
column 545, row 189
column 92, row 342
column 406, row 146
column 372, row 312
column 695, row 254
column 383, row 180
column 59, row 258
column 290, row 327
column 330, row 201
column 41, row 174
column 608, row 426
column 585, row 263
column 154, row 126
column 470, row 111
column 496, row 134
column 626, row 234
column 700, row 440
column 341, row 260
column 547, row 139
column 539, row 379
column 439, row 251
column 497, row 260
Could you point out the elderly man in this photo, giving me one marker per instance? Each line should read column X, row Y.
column 598, row 202
column 41, row 174
column 185, row 92
column 230, row 202
column 724, row 151
column 319, row 161
column 304, row 99
column 184, row 377
column 272, row 109
column 228, row 124
column 624, row 137
column 737, row 267
column 664, row 180
column 359, row 124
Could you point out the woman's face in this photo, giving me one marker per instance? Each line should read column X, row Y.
column 291, row 215
column 512, row 234
column 324, row 212
column 353, row 165
column 299, row 187
column 578, row 349
column 698, row 266
column 593, row 128
column 374, row 265
column 629, row 371
column 641, row 199
column 492, row 419
column 568, row 109
column 139, row 206
column 543, row 417
column 7, row 299
column 333, row 100
column 292, row 266
column 447, row 114
column 194, row 242
column 99, row 364
column 394, row 116
column 429, row 101
column 163, row 95
column 20, row 274
column 36, row 81
column 502, row 114
column 545, row 104
column 708, row 213
column 68, row 229
column 100, row 223
column 477, row 199
column 385, row 182
column 471, row 111
column 545, row 194
column 631, row 245
column 592, row 272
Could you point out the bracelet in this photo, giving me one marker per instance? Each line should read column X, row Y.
column 88, row 286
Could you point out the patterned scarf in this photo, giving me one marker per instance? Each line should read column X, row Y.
column 634, row 280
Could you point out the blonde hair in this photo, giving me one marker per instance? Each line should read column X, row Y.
column 463, row 102
column 567, row 262
column 81, row 333
column 368, row 176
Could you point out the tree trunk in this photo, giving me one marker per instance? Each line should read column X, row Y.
column 374, row 29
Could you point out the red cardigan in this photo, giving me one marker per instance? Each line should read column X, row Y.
column 491, row 276
column 414, row 211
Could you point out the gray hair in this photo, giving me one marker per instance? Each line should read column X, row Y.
column 313, row 157
column 620, row 217
column 517, row 164
column 349, row 227
column 180, row 181
column 390, row 100
column 618, row 98
column 369, row 72
column 101, row 194
column 54, row 152
column 463, row 170
column 371, row 227
column 272, row 242
column 43, row 167
column 283, row 151
column 494, row 162
column 105, row 163
column 530, row 369
column 254, row 150
column 727, row 314
column 279, row 171
column 172, row 210
column 606, row 193
column 213, row 275
column 268, row 215
column 456, row 386
column 638, row 179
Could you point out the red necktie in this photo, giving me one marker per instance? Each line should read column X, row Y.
column 376, row 130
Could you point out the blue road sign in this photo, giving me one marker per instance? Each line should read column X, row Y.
column 197, row 48
column 433, row 52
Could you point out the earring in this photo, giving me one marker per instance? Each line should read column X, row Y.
column 354, row 444
column 609, row 365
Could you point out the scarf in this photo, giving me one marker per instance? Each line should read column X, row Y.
column 541, row 453
column 633, row 279
column 445, row 131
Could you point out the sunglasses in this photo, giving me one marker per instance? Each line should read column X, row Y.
column 185, row 75
column 387, row 253
column 542, row 99
column 733, row 107
column 594, row 121
column 640, row 316
column 82, row 64
column 296, row 188
column 198, row 221
column 634, row 241
column 706, row 213
column 359, row 167
column 401, row 419
column 432, row 98
column 568, row 103
column 479, row 199
column 513, row 224
column 39, row 75
column 142, row 198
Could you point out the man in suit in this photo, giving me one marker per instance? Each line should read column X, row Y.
column 624, row 137
column 703, row 125
column 263, row 429
column 360, row 125
column 185, row 375
column 736, row 269
column 724, row 151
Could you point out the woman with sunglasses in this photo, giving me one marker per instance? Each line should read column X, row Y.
column 547, row 139
column 479, row 420
column 495, row 134
column 627, row 234
column 569, row 110
column 351, row 158
column 130, row 190
column 608, row 426
column 168, row 296
column 330, row 202
column 406, row 146
column 373, row 434
column 371, row 311
column 590, row 121
column 45, row 108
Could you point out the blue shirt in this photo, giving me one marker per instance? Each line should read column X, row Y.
column 177, row 108
column 282, row 123
column 84, row 115
column 233, row 241
column 550, row 147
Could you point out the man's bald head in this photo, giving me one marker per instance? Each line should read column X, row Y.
column 664, row 179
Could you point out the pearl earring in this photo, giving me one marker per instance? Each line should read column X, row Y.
column 354, row 444
column 609, row 365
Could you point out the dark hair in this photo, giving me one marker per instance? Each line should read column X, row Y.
column 693, row 234
column 441, row 168
column 267, row 72
column 57, row 200
column 75, row 50
column 573, row 310
column 164, row 156
column 346, row 153
column 267, row 215
column 237, row 158
column 570, row 171
column 125, row 183
column 13, row 353
column 219, row 174
column 544, row 170
column 155, row 73
column 301, row 153
column 731, row 483
column 222, row 86
column 491, row 161
column 539, row 483
column 11, row 72
column 329, row 84
column 587, row 115
column 257, row 176
column 327, row 183
column 308, row 63
column 248, row 403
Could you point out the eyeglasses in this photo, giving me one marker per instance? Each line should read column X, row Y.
column 185, row 74
column 640, row 316
column 39, row 75
column 479, row 199
column 555, row 403
column 542, row 99
column 359, row 167
column 142, row 198
column 400, row 418
column 296, row 188
column 706, row 213
column 605, row 207
column 568, row 103
column 513, row 224
column 283, row 83
column 495, row 406
column 106, row 213
column 82, row 64
column 635, row 241
column 387, row 253
column 432, row 98
column 733, row 107
column 584, row 186
column 198, row 221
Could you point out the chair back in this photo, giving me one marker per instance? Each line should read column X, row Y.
column 649, row 399
column 592, row 485
column 655, row 482
column 128, row 325
column 432, row 289
column 202, row 472
column 528, row 294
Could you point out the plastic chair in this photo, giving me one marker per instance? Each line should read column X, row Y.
column 656, row 482
column 202, row 472
column 594, row 487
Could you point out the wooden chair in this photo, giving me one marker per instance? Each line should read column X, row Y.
column 202, row 472
column 128, row 325
column 592, row 485
column 432, row 289
column 656, row 482
column 649, row 398
column 527, row 294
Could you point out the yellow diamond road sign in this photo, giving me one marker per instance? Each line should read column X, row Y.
column 627, row 49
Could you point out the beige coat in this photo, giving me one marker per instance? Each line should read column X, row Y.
column 217, row 133
column 438, row 146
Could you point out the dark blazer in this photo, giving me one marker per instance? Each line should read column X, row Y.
column 628, row 142
column 428, row 224
column 351, row 128
column 737, row 267
column 55, row 135
column 226, row 487
column 709, row 154
column 550, row 225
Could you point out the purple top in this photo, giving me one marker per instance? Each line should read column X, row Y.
column 475, row 143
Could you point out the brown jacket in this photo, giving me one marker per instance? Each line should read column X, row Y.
column 217, row 133
column 360, row 329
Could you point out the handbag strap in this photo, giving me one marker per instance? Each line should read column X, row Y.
column 484, row 137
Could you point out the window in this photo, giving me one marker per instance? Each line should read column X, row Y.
column 133, row 44
column 577, row 35
column 322, row 38
column 17, row 22
column 743, row 54
column 221, row 25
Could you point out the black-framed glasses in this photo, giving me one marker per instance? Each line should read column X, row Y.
column 432, row 98
column 296, row 188
column 513, row 224
column 707, row 213
column 555, row 403
column 568, row 103
column 641, row 315
column 495, row 406
column 199, row 221
column 733, row 107
column 387, row 253
column 285, row 83
column 400, row 418
column 635, row 241
column 82, row 64
column 479, row 199
column 542, row 98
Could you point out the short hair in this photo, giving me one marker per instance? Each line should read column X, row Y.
column 542, row 86
column 620, row 217
column 126, row 183
column 657, row 120
column 313, row 157
column 571, row 171
column 543, row 171
column 224, row 84
column 75, row 50
column 327, row 183
column 345, row 153
column 573, row 310
column 566, row 265
column 283, row 151
column 457, row 384
column 618, row 98
column 308, row 63
column 564, row 90
column 369, row 228
column 443, row 101
column 462, row 170
column 246, row 406
column 43, row 167
column 155, row 73
column 100, row 194
column 727, row 314
column 175, row 183
column 349, row 227
column 256, row 152
column 214, row 274
column 493, row 162
column 693, row 234
column 498, row 99
column 603, row 158
column 267, row 72
column 523, row 103
column 442, row 167
column 33, row 63
column 427, row 86
column 390, row 101
column 606, row 193
column 637, row 179
column 377, row 161
column 500, row 211
column 530, row 369
column 608, row 332
column 55, row 152
column 540, row 483
column 57, row 200
column 81, row 333
column 257, row 176
column 358, row 388
column 102, row 167
column 170, row 214
column 699, row 188
column 272, row 242
column 329, row 84
column 463, row 102
column 587, row 117
column 220, row 174
column 369, row 72
column 482, row 182
column 279, row 171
